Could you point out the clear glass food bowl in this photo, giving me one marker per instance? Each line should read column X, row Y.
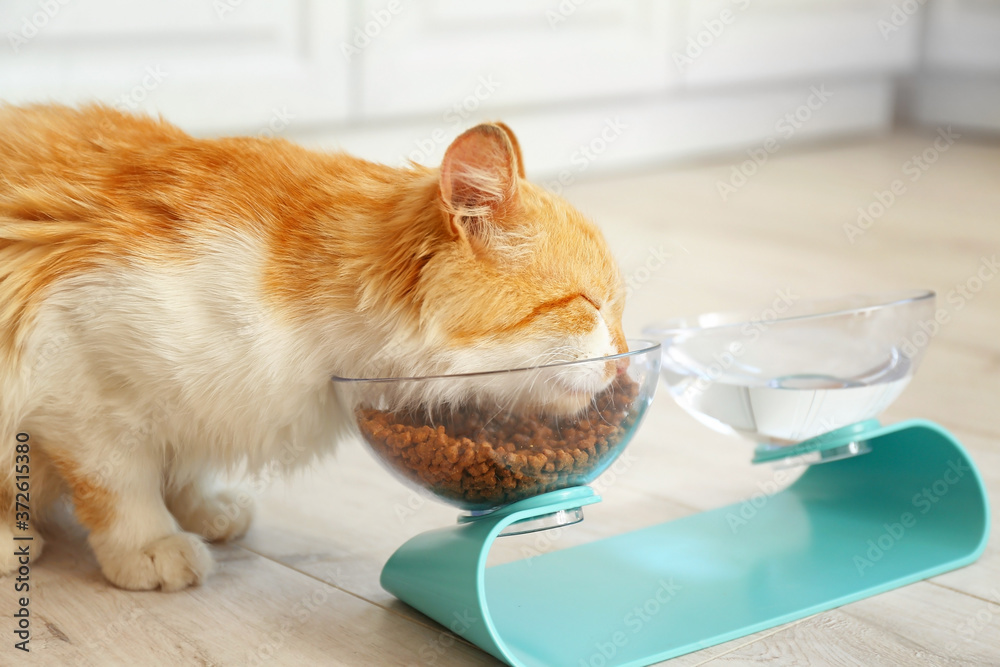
column 481, row 440
column 797, row 369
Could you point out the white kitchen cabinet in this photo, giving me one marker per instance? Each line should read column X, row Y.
column 963, row 35
column 397, row 79
column 209, row 65
column 959, row 81
column 436, row 56
column 755, row 41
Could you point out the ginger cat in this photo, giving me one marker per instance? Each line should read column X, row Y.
column 172, row 306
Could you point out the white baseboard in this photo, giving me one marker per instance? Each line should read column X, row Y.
column 969, row 101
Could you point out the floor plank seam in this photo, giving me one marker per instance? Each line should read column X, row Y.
column 967, row 594
column 771, row 633
column 362, row 598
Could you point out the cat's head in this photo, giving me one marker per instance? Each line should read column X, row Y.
column 524, row 279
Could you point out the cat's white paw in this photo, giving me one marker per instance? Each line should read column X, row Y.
column 224, row 515
column 170, row 563
column 11, row 550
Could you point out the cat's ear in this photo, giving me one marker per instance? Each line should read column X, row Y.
column 479, row 178
column 516, row 145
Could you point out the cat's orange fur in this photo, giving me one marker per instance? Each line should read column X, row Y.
column 361, row 269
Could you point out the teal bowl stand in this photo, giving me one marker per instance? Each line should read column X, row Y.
column 912, row 508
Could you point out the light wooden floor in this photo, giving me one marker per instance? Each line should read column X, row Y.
column 302, row 587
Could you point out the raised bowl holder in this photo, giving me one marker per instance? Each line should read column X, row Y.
column 834, row 445
column 913, row 507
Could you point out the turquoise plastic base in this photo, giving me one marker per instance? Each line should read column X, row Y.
column 912, row 508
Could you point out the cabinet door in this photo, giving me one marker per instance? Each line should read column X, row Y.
column 731, row 41
column 960, row 80
column 964, row 35
column 437, row 56
column 208, row 65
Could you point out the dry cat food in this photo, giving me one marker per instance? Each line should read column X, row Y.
column 483, row 460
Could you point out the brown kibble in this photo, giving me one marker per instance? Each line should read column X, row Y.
column 564, row 461
column 482, row 463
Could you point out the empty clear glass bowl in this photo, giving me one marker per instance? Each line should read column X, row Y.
column 481, row 440
column 797, row 369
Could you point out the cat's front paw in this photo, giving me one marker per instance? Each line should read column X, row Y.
column 218, row 517
column 170, row 563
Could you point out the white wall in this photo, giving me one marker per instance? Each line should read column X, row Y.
column 590, row 85
column 958, row 81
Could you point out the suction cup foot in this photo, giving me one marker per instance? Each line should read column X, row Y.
column 559, row 516
column 835, row 445
column 546, row 522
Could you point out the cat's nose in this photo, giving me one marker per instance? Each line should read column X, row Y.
column 615, row 367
